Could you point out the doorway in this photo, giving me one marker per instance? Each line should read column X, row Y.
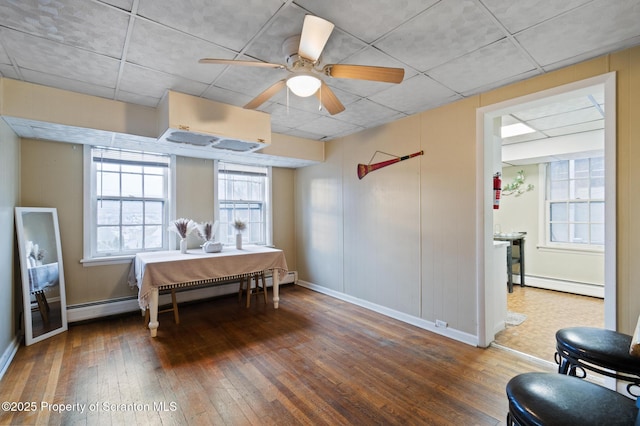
column 489, row 120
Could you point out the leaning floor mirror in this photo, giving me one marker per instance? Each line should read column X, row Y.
column 43, row 292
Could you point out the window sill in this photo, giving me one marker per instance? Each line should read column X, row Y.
column 572, row 250
column 111, row 260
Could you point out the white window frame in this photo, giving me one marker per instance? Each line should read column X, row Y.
column 90, row 255
column 268, row 205
column 544, row 227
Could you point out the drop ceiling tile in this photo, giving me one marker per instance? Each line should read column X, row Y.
column 327, row 127
column 573, row 34
column 249, row 80
column 560, row 107
column 446, row 31
column 174, row 52
column 50, row 57
column 519, row 15
column 291, row 117
column 268, row 45
column 226, row 96
column 366, row 19
column 577, row 128
column 339, row 47
column 86, row 24
column 136, row 79
column 228, row 23
column 565, row 119
column 494, row 63
column 4, row 56
column 366, row 113
column 136, row 98
column 120, row 4
column 415, row 94
column 9, row 72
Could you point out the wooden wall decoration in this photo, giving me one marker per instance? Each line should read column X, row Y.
column 364, row 169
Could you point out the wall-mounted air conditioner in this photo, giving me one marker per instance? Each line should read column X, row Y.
column 205, row 125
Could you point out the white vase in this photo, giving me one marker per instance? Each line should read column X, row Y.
column 183, row 245
column 239, row 241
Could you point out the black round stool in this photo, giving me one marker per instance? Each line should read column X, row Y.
column 602, row 351
column 555, row 399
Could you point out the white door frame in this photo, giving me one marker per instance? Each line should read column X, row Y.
column 484, row 192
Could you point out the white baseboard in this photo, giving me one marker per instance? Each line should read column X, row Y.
column 584, row 289
column 8, row 355
column 401, row 316
column 106, row 308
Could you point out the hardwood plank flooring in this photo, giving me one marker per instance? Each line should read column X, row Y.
column 315, row 361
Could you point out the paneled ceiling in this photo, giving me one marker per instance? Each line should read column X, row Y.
column 134, row 50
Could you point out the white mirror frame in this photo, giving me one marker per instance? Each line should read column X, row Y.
column 23, row 235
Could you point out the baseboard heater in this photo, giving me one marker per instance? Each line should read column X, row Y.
column 101, row 309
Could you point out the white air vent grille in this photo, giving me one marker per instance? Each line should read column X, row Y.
column 192, row 138
column 236, row 145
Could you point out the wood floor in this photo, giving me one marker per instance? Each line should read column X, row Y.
column 314, row 361
column 547, row 311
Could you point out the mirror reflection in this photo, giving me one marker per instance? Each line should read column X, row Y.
column 42, row 273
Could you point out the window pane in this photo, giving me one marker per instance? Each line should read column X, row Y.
column 559, row 232
column 153, row 237
column 597, row 167
column 108, row 212
column 131, row 185
column 597, row 188
column 132, row 213
column 597, row 233
column 581, row 169
column 108, row 184
column 559, row 190
column 108, row 239
column 153, row 212
column 153, row 186
column 559, row 170
column 578, row 212
column 580, row 233
column 597, row 212
column 559, row 212
column 132, row 237
column 579, row 189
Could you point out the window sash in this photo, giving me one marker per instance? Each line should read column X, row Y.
column 130, row 213
column 574, row 207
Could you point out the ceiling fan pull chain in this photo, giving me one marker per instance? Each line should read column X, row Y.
column 320, row 99
column 287, row 100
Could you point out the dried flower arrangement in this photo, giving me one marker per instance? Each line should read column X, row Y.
column 182, row 227
column 207, row 230
column 239, row 225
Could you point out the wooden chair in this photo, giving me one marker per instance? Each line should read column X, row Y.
column 257, row 289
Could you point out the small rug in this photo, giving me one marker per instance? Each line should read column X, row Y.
column 514, row 318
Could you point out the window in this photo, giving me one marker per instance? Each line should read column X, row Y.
column 128, row 206
column 243, row 194
column 575, row 202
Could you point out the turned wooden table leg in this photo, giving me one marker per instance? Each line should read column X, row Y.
column 153, row 312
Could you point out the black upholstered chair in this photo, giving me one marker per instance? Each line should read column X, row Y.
column 605, row 352
column 557, row 399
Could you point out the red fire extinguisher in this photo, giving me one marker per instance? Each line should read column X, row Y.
column 497, row 184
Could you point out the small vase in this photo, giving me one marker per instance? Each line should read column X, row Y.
column 239, row 241
column 183, row 245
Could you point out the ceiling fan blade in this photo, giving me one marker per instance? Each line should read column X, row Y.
column 365, row 72
column 264, row 96
column 329, row 99
column 315, row 33
column 244, row 63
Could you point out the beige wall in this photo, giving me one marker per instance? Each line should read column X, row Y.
column 443, row 274
column 10, row 302
column 52, row 176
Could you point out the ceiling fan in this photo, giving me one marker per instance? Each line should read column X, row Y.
column 303, row 62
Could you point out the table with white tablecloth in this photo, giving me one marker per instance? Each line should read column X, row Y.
column 160, row 270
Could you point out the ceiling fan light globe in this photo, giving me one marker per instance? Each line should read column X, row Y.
column 303, row 85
